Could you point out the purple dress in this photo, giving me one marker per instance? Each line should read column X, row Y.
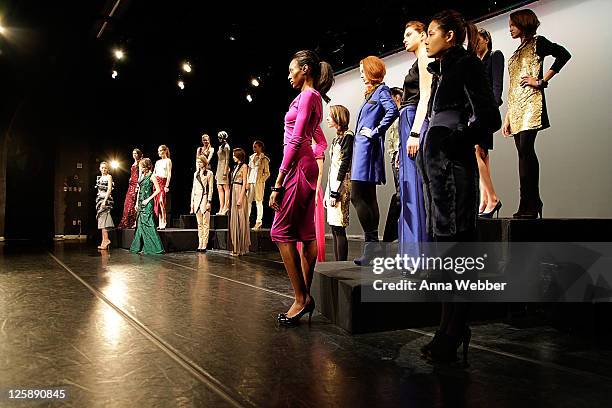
column 295, row 220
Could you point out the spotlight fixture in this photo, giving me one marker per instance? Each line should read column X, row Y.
column 249, row 98
column 114, row 74
column 119, row 54
column 114, row 164
column 181, row 84
column 255, row 82
column 2, row 29
column 186, row 67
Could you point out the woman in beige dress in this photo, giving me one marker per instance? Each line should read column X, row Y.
column 240, row 233
column 201, row 197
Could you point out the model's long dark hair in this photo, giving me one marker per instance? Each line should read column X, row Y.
column 451, row 20
column 320, row 71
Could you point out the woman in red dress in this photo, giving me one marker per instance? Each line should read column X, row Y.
column 128, row 220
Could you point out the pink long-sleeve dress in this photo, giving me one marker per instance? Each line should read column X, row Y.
column 294, row 222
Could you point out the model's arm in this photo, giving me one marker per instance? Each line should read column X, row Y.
column 391, row 112
column 265, row 171
column 167, row 188
column 245, row 174
column 109, row 188
column 137, row 195
column 305, row 107
column 320, row 143
column 193, row 192
column 155, row 192
column 497, row 68
column 210, row 188
column 425, row 79
column 211, row 152
column 543, row 49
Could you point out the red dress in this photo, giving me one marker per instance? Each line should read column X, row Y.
column 129, row 213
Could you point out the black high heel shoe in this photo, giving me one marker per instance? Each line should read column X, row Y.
column 494, row 211
column 531, row 214
column 426, row 349
column 445, row 349
column 293, row 321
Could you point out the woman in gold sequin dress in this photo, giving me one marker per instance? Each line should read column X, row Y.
column 526, row 113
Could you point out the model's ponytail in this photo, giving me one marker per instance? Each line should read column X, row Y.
column 320, row 71
column 326, row 80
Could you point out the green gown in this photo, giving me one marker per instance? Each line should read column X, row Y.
column 146, row 237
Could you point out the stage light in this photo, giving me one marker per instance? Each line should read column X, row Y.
column 119, row 54
column 114, row 164
column 255, row 82
column 249, row 98
column 2, row 29
column 181, row 84
column 186, row 67
column 115, row 74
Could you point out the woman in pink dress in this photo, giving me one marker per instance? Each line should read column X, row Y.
column 293, row 194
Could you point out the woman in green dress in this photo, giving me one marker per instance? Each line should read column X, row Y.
column 146, row 238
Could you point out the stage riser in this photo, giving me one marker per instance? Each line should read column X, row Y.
column 545, row 230
column 177, row 240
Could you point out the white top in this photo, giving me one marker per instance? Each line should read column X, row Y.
column 161, row 168
column 254, row 161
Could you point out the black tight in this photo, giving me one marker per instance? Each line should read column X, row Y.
column 340, row 243
column 529, row 170
column 363, row 197
column 455, row 315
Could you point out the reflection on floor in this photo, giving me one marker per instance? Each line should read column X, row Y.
column 122, row 330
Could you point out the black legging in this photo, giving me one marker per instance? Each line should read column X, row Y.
column 529, row 171
column 363, row 197
column 340, row 243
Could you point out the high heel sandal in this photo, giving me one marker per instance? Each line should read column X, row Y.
column 494, row 211
column 426, row 349
column 293, row 321
column 104, row 247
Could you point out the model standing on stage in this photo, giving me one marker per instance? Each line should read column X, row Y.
column 338, row 191
column 223, row 173
column 259, row 172
column 368, row 167
column 206, row 149
column 240, row 231
column 201, row 197
column 129, row 214
column 526, row 114
column 146, row 238
column 293, row 194
column 412, row 228
column 494, row 68
column 461, row 112
column 163, row 174
column 104, row 204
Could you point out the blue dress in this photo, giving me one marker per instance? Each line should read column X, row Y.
column 412, row 229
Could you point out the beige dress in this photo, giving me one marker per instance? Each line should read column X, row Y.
column 240, row 232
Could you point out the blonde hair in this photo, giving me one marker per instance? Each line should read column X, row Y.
column 165, row 148
column 146, row 163
column 341, row 117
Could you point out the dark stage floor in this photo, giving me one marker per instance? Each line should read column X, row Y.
column 187, row 329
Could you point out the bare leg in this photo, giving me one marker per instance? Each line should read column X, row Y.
column 292, row 261
column 162, row 215
column 484, row 194
column 105, row 239
column 486, row 184
column 308, row 262
column 226, row 187
column 221, row 196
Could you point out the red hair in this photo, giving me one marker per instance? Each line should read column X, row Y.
column 374, row 70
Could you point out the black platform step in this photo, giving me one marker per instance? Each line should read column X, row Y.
column 545, row 230
column 184, row 239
